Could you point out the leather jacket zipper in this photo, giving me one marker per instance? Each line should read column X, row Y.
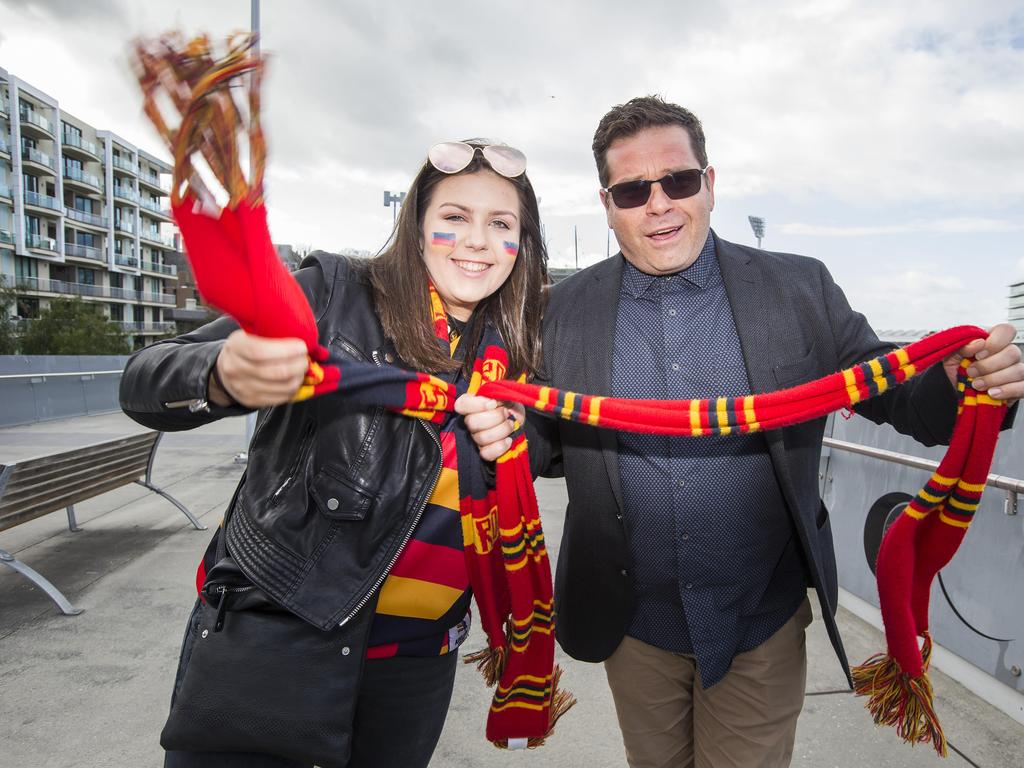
column 222, row 604
column 408, row 534
column 297, row 464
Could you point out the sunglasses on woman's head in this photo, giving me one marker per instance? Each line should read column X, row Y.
column 454, row 156
column 677, row 185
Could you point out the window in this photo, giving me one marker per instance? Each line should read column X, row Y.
column 116, row 280
column 72, row 167
column 84, row 204
column 29, row 182
column 25, row 267
column 28, row 307
column 138, row 313
column 86, row 238
column 32, row 225
column 73, row 132
column 117, row 311
column 86, row 276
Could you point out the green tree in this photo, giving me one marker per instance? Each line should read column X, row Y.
column 73, row 327
column 8, row 335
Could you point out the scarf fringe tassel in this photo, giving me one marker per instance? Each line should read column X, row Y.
column 561, row 702
column 490, row 662
column 899, row 700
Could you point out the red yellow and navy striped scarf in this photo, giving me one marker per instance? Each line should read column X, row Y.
column 237, row 270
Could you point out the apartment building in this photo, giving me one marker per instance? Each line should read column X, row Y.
column 84, row 213
column 1017, row 307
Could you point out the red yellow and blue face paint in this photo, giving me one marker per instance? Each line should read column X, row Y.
column 512, row 249
column 443, row 240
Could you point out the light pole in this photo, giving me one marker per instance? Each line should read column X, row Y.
column 757, row 224
column 394, row 200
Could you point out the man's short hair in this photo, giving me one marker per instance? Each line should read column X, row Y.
column 625, row 120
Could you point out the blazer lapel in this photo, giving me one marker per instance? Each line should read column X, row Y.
column 597, row 337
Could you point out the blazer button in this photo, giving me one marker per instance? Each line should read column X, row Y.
column 332, row 504
column 624, row 572
column 346, row 651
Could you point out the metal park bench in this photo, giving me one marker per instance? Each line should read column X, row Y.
column 38, row 486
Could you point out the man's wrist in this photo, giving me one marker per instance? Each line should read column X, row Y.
column 216, row 391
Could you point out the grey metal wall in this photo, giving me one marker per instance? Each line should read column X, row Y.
column 985, row 578
column 30, row 391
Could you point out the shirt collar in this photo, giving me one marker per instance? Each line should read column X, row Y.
column 637, row 283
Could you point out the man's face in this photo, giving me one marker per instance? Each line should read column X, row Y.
column 664, row 235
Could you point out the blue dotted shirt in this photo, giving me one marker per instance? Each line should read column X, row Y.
column 715, row 559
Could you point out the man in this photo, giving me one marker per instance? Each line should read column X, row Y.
column 684, row 563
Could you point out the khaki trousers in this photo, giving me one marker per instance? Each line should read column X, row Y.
column 747, row 720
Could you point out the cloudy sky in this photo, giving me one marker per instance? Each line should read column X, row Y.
column 886, row 139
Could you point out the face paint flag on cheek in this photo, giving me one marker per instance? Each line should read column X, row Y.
column 512, row 249
column 445, row 240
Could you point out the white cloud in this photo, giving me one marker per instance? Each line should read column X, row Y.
column 951, row 225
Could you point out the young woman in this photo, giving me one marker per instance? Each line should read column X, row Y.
column 346, row 523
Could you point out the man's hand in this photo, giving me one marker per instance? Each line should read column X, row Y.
column 256, row 371
column 490, row 423
column 997, row 369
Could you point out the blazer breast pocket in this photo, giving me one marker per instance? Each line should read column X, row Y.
column 799, row 370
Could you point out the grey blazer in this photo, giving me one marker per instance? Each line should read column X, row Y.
column 794, row 325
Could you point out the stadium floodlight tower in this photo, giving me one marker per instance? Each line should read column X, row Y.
column 757, row 224
column 394, row 200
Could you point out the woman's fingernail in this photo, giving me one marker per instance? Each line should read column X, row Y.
column 978, row 383
column 972, row 371
column 995, row 392
column 981, row 355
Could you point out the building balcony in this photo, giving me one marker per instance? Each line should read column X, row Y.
column 163, row 269
column 40, row 243
column 151, row 207
column 81, row 177
column 33, row 120
column 6, row 238
column 140, row 327
column 82, row 217
column 77, row 250
column 125, row 165
column 131, row 262
column 5, row 108
column 126, row 193
column 159, row 298
column 5, row 191
column 44, row 201
column 1017, row 289
column 77, row 145
column 125, row 226
column 5, row 148
column 39, row 158
column 154, row 183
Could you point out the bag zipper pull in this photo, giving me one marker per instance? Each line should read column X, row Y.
column 222, row 607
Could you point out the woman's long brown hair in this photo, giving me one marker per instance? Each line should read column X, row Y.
column 402, row 298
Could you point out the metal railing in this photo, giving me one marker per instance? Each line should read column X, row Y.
column 4, row 107
column 34, row 155
column 126, row 193
column 126, row 261
column 72, row 140
column 43, row 201
column 125, row 226
column 94, row 291
column 86, row 178
column 1011, row 485
column 156, row 208
column 43, row 243
column 125, row 165
column 5, row 191
column 6, row 237
column 142, row 327
column 85, row 217
column 154, row 181
column 4, row 146
column 29, row 116
column 84, row 252
column 163, row 269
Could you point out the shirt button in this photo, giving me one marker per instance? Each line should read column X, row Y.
column 685, row 537
column 624, row 572
column 672, row 312
column 675, row 366
column 689, row 585
column 681, row 483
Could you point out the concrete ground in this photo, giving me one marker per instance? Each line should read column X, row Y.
column 91, row 691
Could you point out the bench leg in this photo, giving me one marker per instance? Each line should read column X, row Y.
column 192, row 518
column 72, row 523
column 55, row 594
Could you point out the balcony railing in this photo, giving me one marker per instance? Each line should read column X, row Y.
column 126, row 261
column 159, row 298
column 29, row 116
column 73, row 140
column 86, row 178
column 5, row 191
column 140, row 327
column 125, row 165
column 6, row 237
column 84, row 251
column 4, row 108
column 126, row 193
column 43, row 201
column 43, row 243
column 154, row 181
column 164, row 269
column 33, row 154
column 86, row 218
column 149, row 205
column 4, row 146
column 125, row 226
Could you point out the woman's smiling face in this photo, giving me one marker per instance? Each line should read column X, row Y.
column 470, row 234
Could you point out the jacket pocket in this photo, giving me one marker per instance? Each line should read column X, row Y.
column 297, row 463
column 340, row 499
column 798, row 371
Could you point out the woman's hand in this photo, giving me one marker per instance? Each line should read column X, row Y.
column 256, row 371
column 490, row 423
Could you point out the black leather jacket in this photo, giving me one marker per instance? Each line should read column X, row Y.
column 332, row 491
